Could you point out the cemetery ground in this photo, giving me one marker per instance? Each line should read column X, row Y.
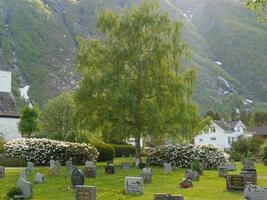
column 110, row 187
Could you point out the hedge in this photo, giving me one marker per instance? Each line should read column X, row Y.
column 106, row 151
column 124, row 150
column 41, row 151
column 182, row 155
column 13, row 162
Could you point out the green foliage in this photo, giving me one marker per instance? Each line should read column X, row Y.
column 131, row 82
column 264, row 151
column 106, row 151
column 247, row 118
column 2, row 143
column 12, row 192
column 258, row 6
column 246, row 148
column 124, row 150
column 58, row 118
column 29, row 121
column 214, row 116
column 195, row 165
column 13, row 162
column 260, row 118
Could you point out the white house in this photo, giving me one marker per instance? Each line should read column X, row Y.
column 222, row 133
column 9, row 116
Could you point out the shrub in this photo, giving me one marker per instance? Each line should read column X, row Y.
column 13, row 162
column 41, row 151
column 124, row 150
column 264, row 151
column 182, row 155
column 2, row 144
column 12, row 192
column 106, row 151
column 196, row 167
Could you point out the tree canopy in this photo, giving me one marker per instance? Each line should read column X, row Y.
column 132, row 84
column 258, row 6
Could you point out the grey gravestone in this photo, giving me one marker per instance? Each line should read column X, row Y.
column 186, row 183
column 89, row 164
column 85, row 192
column 146, row 174
column 30, row 166
column 55, row 167
column 39, row 178
column 90, row 172
column 250, row 175
column 235, row 182
column 125, row 165
column 230, row 166
column 109, row 168
column 52, row 164
column 25, row 187
column 77, row 177
column 69, row 165
column 192, row 175
column 24, row 174
column 252, row 192
column 134, row 185
column 248, row 164
column 137, row 162
column 2, row 172
column 204, row 165
column 167, row 167
column 167, row 197
column 222, row 171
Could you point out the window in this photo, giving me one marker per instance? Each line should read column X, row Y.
column 238, row 129
column 213, row 138
column 200, row 140
column 212, row 129
column 231, row 140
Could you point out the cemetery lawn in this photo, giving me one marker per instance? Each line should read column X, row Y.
column 110, row 187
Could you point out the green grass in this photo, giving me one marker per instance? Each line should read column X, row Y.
column 110, row 187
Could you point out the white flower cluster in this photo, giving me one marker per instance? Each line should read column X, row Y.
column 41, row 151
column 182, row 155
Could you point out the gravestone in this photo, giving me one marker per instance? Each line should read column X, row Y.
column 204, row 165
column 137, row 162
column 134, row 186
column 167, row 167
column 186, row 183
column 167, row 197
column 2, row 172
column 90, row 172
column 146, row 174
column 90, row 164
column 250, row 175
column 248, row 164
column 230, row 166
column 39, row 178
column 192, row 175
column 109, row 168
column 69, row 165
column 85, row 192
column 265, row 162
column 222, row 171
column 54, row 167
column 235, row 182
column 24, row 174
column 30, row 166
column 52, row 164
column 253, row 192
column 125, row 165
column 25, row 187
column 77, row 177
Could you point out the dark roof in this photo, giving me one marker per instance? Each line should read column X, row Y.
column 228, row 126
column 259, row 130
column 8, row 107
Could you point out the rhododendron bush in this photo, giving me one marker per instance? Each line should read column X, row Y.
column 182, row 155
column 41, row 151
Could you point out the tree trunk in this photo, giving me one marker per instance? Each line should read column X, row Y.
column 138, row 148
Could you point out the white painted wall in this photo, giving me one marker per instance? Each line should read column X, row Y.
column 222, row 136
column 5, row 81
column 9, row 128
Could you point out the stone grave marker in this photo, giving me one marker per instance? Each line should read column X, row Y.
column 250, row 175
column 204, row 165
column 109, row 168
column 54, row 167
column 253, row 192
column 2, row 172
column 248, row 164
column 30, row 166
column 26, row 187
column 146, row 174
column 222, row 171
column 24, row 174
column 90, row 164
column 125, row 165
column 167, row 197
column 77, row 177
column 265, row 162
column 85, row 192
column 52, row 164
column 39, row 178
column 230, row 166
column 186, row 183
column 69, row 165
column 134, row 186
column 167, row 167
column 192, row 175
column 137, row 162
column 90, row 172
column 235, row 182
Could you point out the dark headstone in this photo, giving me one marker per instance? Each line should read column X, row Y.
column 2, row 172
column 109, row 168
column 235, row 182
column 186, row 183
column 167, row 197
column 248, row 164
column 90, row 172
column 250, row 175
column 85, row 192
column 77, row 177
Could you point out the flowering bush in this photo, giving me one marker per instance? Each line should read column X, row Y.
column 41, row 151
column 182, row 155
